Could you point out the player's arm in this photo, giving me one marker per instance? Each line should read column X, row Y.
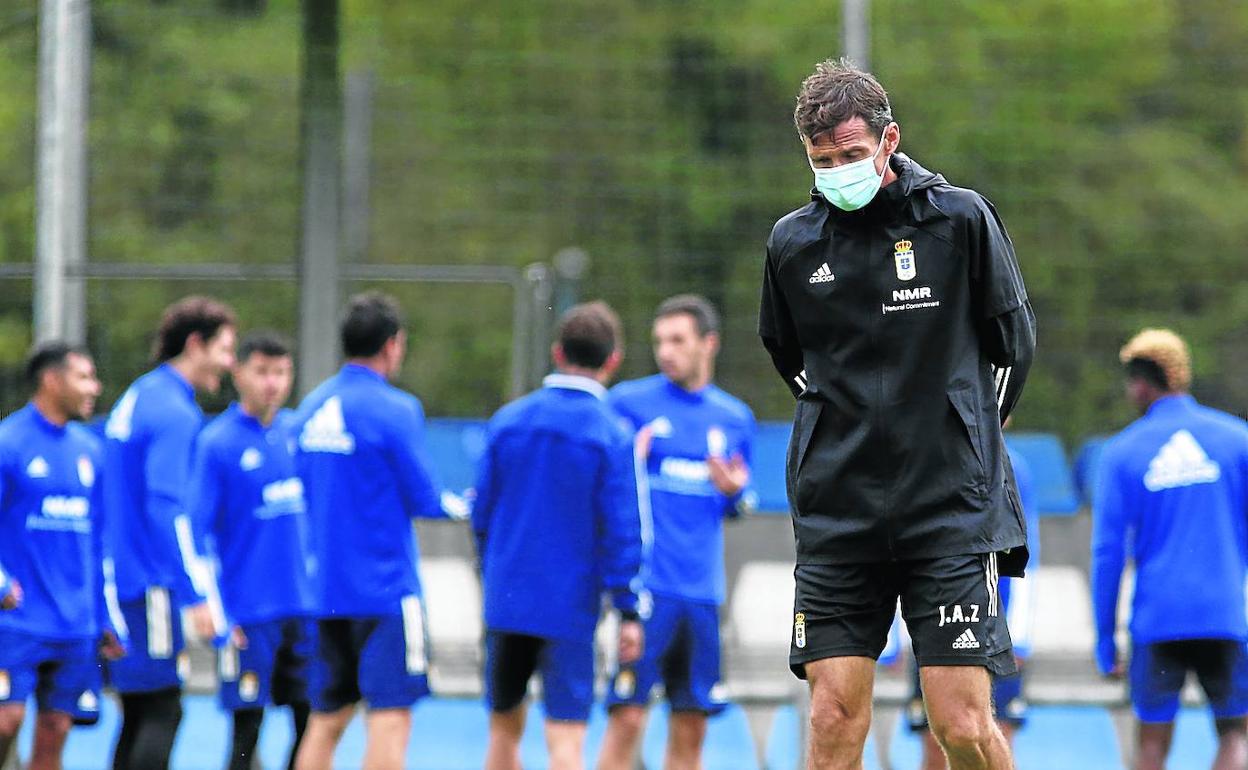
column 775, row 327
column 10, row 589
column 207, row 506
column 731, row 476
column 619, row 546
column 618, row 528
column 485, row 500
column 167, row 469
column 422, row 495
column 1110, row 523
column 112, row 625
column 1006, row 322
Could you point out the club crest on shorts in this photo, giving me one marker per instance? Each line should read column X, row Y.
column 904, row 256
column 625, row 684
column 248, row 686
column 799, row 630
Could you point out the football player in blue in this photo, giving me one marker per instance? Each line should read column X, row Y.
column 150, row 439
column 557, row 527
column 362, row 459
column 52, row 582
column 248, row 500
column 693, row 444
column 1173, row 494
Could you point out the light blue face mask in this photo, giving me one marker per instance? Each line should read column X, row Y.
column 853, row 185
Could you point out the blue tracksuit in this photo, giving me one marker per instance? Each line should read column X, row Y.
column 50, row 528
column 365, row 475
column 1173, row 494
column 686, row 558
column 556, row 512
column 248, row 498
column 150, row 442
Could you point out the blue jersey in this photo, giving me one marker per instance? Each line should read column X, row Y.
column 248, row 498
column 365, row 475
column 50, row 533
column 150, row 439
column 556, row 512
column 686, row 555
column 1173, row 494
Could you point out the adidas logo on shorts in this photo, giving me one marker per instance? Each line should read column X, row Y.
column 966, row 641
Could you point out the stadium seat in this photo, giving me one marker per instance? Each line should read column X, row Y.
column 454, row 446
column 1195, row 740
column 1085, row 466
column 1055, row 487
column 760, row 619
column 784, row 741
column 771, row 443
column 729, row 744
column 1063, row 624
column 453, row 607
column 1069, row 737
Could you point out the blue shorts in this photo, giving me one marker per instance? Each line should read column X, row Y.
column 1158, row 670
column 1007, row 700
column 154, row 658
column 567, row 669
column 682, row 651
column 272, row 668
column 381, row 661
column 62, row 674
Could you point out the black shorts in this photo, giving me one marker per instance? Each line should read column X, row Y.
column 950, row 605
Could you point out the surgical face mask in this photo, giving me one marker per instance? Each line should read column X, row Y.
column 851, row 186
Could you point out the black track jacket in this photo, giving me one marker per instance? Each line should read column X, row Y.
column 905, row 332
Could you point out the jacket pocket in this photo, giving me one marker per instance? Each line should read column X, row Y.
column 804, row 423
column 963, row 402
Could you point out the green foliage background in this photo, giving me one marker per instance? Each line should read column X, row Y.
column 656, row 135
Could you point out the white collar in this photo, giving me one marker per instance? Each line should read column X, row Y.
column 575, row 382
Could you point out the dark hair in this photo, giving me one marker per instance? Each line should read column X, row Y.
column 838, row 91
column 1149, row 371
column 190, row 315
column 589, row 333
column 703, row 312
column 265, row 342
column 372, row 319
column 50, row 355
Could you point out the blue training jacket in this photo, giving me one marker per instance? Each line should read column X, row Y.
column 556, row 512
column 51, row 538
column 680, row 505
column 361, row 456
column 1173, row 495
column 150, row 440
column 248, row 499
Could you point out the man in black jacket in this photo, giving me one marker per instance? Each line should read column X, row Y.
column 893, row 307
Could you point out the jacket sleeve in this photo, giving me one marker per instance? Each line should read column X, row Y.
column 206, row 507
column 167, row 470
column 107, row 610
column 618, row 547
column 422, row 495
column 775, row 327
column 485, row 500
column 1006, row 323
column 1110, row 524
column 745, row 502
